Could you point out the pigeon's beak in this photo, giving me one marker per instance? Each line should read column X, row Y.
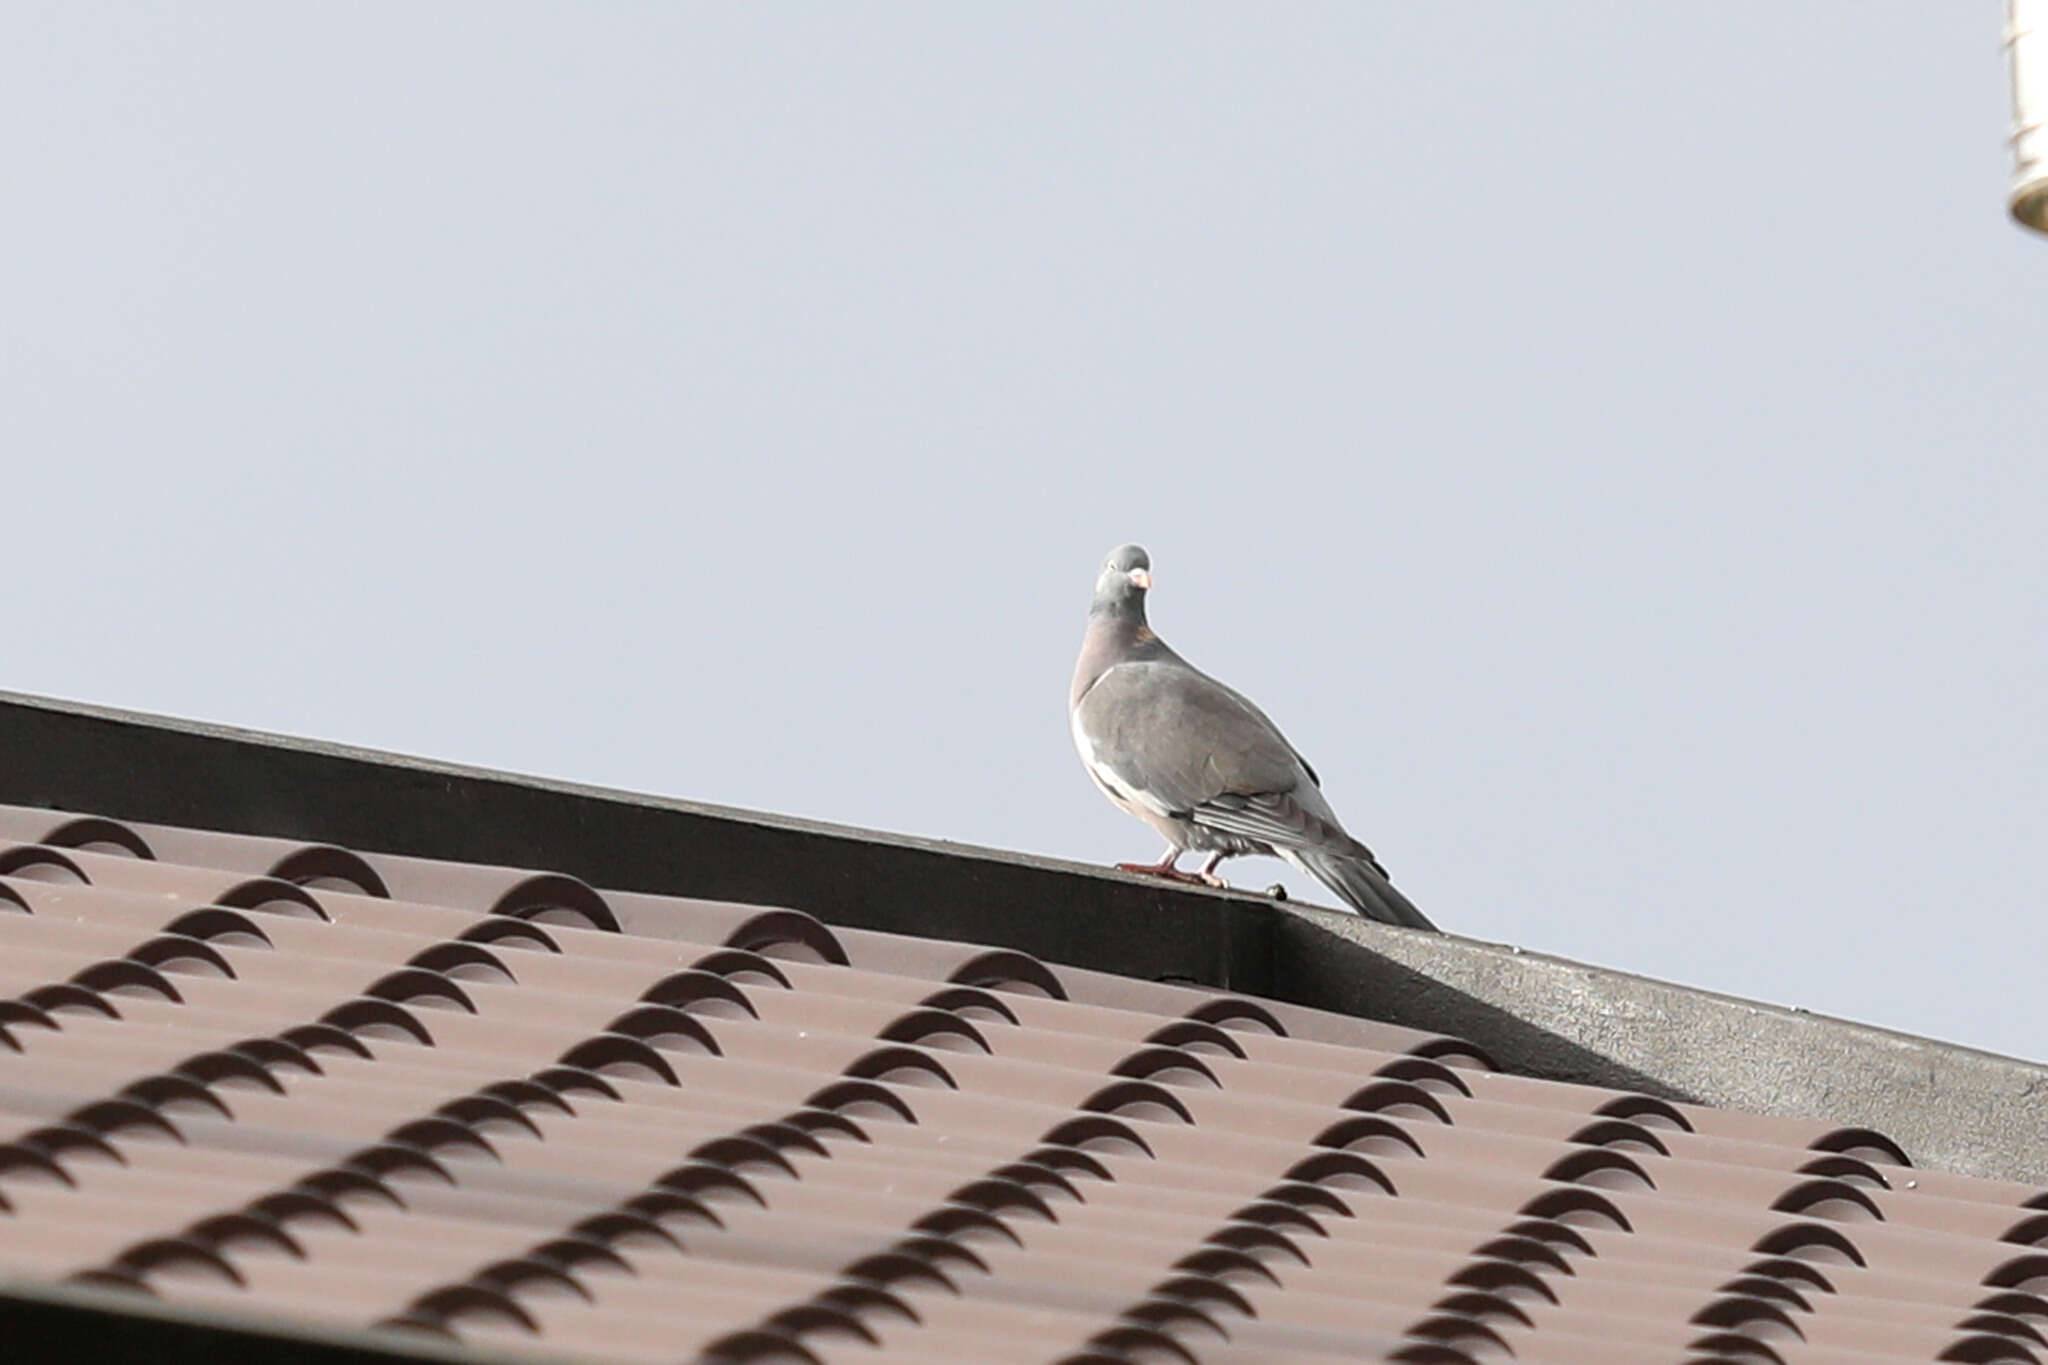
column 1141, row 579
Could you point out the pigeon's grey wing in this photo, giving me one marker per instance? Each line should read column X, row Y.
column 1296, row 819
column 1167, row 737
column 1177, row 739
column 1266, row 721
column 1185, row 745
column 1301, row 828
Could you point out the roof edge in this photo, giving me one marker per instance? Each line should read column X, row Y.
column 135, row 766
column 1950, row 1106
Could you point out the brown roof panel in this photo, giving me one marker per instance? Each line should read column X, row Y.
column 502, row 1105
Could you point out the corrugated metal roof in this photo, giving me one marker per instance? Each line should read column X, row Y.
column 355, row 1088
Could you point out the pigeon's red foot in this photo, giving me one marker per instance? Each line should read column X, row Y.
column 1166, row 871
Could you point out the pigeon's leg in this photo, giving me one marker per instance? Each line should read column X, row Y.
column 1208, row 872
column 1165, row 868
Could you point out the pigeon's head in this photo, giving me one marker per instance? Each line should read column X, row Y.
column 1126, row 576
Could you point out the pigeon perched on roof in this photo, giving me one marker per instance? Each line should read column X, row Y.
column 1201, row 764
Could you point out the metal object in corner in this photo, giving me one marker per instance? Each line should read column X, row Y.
column 2026, row 42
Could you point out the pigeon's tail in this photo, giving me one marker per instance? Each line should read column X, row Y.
column 1361, row 885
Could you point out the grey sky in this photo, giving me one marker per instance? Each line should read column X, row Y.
column 1608, row 438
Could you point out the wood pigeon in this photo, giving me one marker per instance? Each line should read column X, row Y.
column 1201, row 764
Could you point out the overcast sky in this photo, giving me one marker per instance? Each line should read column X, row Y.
column 1608, row 438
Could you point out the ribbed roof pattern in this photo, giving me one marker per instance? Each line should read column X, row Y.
column 501, row 1105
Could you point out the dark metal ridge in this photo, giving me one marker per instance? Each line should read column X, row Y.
column 1949, row 1106
column 139, row 767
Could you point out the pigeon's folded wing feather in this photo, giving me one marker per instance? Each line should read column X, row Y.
column 1282, row 820
column 1164, row 729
